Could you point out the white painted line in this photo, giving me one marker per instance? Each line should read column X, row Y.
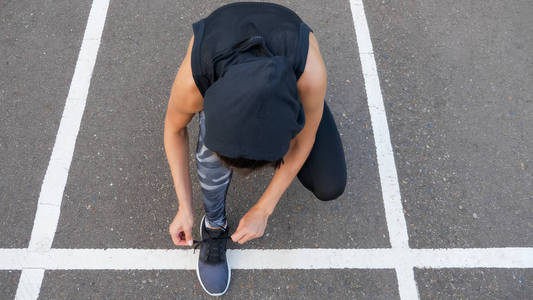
column 403, row 260
column 406, row 282
column 388, row 176
column 56, row 175
column 385, row 157
column 53, row 186
column 29, row 284
column 473, row 258
column 44, row 227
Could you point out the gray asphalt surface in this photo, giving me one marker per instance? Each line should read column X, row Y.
column 39, row 45
column 457, row 83
column 246, row 284
column 8, row 283
column 475, row 283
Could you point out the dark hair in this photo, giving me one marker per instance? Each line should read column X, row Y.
column 251, row 164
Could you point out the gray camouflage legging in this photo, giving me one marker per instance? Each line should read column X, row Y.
column 323, row 173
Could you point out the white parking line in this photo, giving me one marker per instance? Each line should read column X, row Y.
column 307, row 259
column 53, row 186
column 390, row 187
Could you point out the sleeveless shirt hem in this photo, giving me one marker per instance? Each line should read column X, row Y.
column 243, row 3
column 196, row 67
column 304, row 48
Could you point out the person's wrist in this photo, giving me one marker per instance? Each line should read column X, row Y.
column 263, row 209
column 185, row 210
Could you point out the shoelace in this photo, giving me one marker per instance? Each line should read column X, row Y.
column 216, row 248
column 197, row 243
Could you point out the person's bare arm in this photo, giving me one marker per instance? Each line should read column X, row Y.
column 312, row 90
column 185, row 100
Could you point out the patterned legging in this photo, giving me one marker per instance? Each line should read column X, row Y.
column 323, row 173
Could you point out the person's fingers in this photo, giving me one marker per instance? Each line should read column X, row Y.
column 245, row 238
column 238, row 234
column 175, row 238
column 181, row 238
column 188, row 237
column 178, row 237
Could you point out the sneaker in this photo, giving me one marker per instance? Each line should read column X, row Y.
column 213, row 269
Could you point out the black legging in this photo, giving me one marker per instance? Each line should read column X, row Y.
column 324, row 171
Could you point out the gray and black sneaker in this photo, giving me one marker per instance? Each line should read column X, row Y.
column 213, row 269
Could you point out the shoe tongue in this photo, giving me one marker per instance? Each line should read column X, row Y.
column 214, row 232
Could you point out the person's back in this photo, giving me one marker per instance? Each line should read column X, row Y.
column 254, row 73
column 223, row 32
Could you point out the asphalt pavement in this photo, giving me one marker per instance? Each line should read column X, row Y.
column 457, row 84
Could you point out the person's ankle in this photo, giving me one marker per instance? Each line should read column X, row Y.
column 208, row 225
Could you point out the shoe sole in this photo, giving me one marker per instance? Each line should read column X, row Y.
column 198, row 273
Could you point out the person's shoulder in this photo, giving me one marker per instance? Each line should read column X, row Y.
column 186, row 85
column 185, row 98
column 315, row 73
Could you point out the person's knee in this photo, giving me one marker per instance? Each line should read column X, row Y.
column 331, row 191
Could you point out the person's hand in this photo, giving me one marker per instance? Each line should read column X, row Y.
column 252, row 225
column 181, row 228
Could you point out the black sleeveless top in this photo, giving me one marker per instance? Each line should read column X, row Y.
column 227, row 27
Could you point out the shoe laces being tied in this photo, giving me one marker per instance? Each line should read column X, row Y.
column 213, row 247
